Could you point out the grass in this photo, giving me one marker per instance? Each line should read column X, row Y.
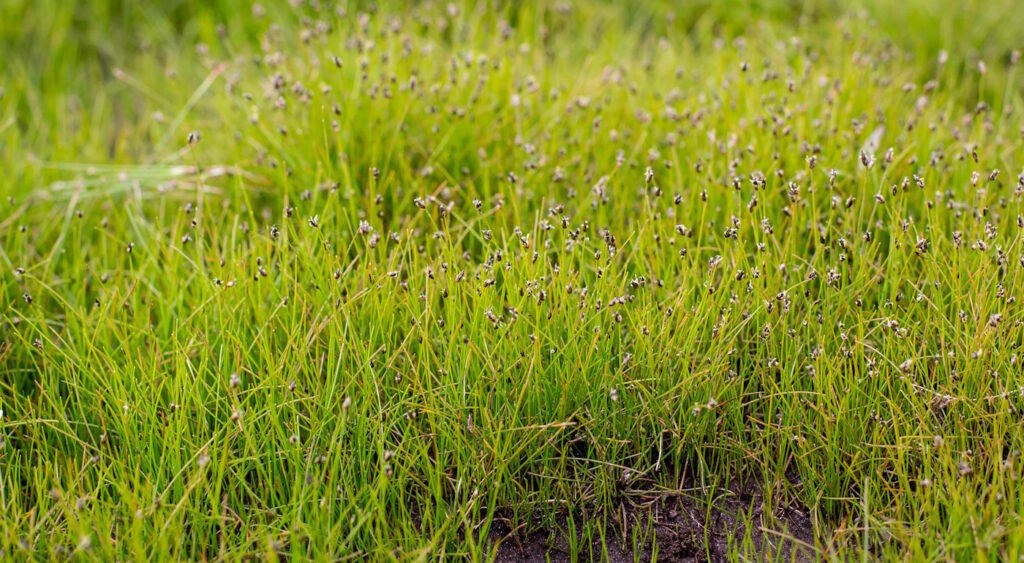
column 415, row 281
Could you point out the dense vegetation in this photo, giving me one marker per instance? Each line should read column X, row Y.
column 425, row 281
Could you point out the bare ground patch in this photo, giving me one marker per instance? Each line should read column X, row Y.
column 683, row 529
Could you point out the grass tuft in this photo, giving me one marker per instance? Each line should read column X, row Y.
column 502, row 280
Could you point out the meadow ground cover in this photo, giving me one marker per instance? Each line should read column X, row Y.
column 483, row 280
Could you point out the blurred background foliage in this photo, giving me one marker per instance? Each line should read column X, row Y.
column 76, row 78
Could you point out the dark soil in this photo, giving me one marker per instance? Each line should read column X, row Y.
column 683, row 530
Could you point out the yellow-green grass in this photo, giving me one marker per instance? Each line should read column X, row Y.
column 421, row 281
